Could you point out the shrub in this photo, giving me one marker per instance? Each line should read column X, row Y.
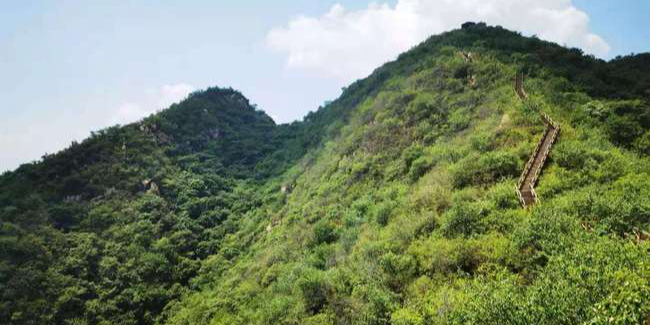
column 463, row 219
column 483, row 169
column 425, row 225
column 490, row 299
column 324, row 232
column 627, row 121
column 399, row 268
column 503, row 196
column 406, row 316
column 548, row 231
column 411, row 153
column 435, row 256
column 431, row 197
column 627, row 303
column 425, row 106
column 322, row 256
column 377, row 304
column 642, row 144
column 616, row 209
column 459, row 119
column 482, row 142
column 314, row 290
column 320, row 319
column 381, row 213
column 575, row 155
column 420, row 167
column 624, row 129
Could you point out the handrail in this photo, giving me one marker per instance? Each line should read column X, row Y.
column 552, row 130
column 519, row 86
column 532, row 190
column 531, row 160
column 521, row 198
column 542, row 159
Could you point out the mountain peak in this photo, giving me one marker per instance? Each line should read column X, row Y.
column 396, row 203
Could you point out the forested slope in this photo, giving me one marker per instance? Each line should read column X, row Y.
column 114, row 227
column 401, row 207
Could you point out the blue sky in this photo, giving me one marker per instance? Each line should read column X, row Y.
column 623, row 23
column 69, row 67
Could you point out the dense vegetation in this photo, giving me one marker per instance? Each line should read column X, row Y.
column 394, row 204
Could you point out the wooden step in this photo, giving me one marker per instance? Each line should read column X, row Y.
column 537, row 160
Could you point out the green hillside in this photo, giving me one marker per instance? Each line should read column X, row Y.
column 394, row 204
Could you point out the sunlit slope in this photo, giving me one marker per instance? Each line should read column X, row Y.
column 408, row 213
column 393, row 204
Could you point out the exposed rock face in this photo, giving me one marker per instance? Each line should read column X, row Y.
column 471, row 81
column 150, row 186
column 72, row 198
column 214, row 134
column 152, row 130
column 272, row 225
column 287, row 188
column 153, row 189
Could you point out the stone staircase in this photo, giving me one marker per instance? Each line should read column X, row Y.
column 528, row 179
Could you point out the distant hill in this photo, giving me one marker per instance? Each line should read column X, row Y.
column 393, row 204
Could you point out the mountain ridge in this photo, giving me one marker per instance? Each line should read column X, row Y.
column 401, row 208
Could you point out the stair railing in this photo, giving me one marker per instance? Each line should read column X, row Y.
column 551, row 126
column 531, row 160
column 519, row 86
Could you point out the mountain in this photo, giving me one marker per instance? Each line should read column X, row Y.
column 394, row 204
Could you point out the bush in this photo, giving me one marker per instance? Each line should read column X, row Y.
column 399, row 269
column 482, row 142
column 503, row 196
column 406, row 316
column 464, row 219
column 381, row 213
column 320, row 319
column 324, row 232
column 377, row 304
column 547, row 232
column 459, row 119
column 420, row 167
column 577, row 155
column 642, row 144
column 322, row 256
column 626, row 304
column 484, row 169
column 314, row 290
column 627, row 121
column 410, row 154
column 615, row 209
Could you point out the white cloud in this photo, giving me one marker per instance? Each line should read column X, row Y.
column 129, row 112
column 21, row 139
column 152, row 101
column 170, row 94
column 349, row 44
